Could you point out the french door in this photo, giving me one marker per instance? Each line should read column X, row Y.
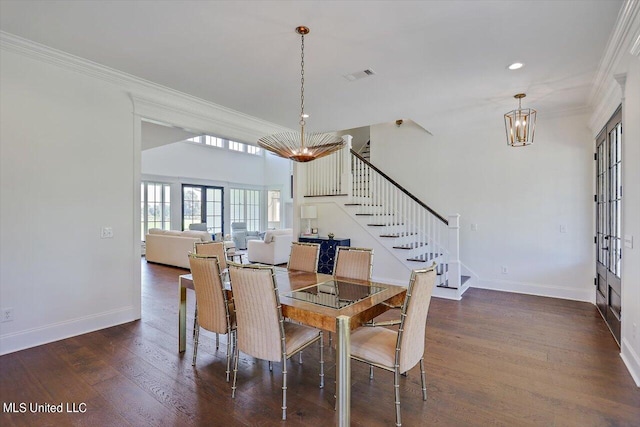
column 608, row 222
column 202, row 204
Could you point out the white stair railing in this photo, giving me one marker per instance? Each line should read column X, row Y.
column 399, row 215
column 395, row 216
column 330, row 175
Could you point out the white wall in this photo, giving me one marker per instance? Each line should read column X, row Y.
column 518, row 197
column 70, row 159
column 67, row 146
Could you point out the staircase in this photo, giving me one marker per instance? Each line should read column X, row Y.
column 365, row 151
column 413, row 232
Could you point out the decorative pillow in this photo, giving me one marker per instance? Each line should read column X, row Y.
column 268, row 236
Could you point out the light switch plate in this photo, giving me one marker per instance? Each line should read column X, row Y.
column 628, row 241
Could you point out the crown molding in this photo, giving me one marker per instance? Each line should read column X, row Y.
column 150, row 100
column 608, row 103
column 635, row 47
column 616, row 49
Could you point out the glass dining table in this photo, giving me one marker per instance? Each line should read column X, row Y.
column 325, row 302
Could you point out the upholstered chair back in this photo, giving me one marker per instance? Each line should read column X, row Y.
column 414, row 317
column 258, row 312
column 213, row 312
column 353, row 263
column 212, row 248
column 304, row 257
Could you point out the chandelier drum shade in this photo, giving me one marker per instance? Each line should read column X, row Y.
column 302, row 146
column 520, row 124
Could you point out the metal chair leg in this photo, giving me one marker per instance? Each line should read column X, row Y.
column 217, row 342
column 235, row 371
column 195, row 320
column 270, row 367
column 396, row 386
column 370, row 372
column 195, row 343
column 424, row 382
column 229, row 338
column 300, row 358
column 321, row 361
column 284, row 389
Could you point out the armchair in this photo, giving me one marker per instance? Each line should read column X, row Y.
column 240, row 234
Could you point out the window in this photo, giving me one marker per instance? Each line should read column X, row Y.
column 273, row 208
column 202, row 204
column 252, row 149
column 213, row 141
column 155, row 206
column 236, row 146
column 245, row 207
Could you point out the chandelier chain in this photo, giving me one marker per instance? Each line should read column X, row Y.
column 302, row 122
column 302, row 146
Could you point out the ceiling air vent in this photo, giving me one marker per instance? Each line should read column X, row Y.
column 360, row 74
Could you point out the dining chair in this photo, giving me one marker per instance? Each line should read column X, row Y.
column 304, row 257
column 261, row 330
column 216, row 310
column 210, row 248
column 399, row 351
column 353, row 263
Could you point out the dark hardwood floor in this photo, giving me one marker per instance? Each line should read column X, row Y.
column 492, row 359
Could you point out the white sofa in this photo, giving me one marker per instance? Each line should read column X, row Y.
column 172, row 247
column 273, row 249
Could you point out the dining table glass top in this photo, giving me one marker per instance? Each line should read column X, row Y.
column 335, row 293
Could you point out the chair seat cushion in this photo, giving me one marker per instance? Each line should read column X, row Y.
column 297, row 336
column 377, row 345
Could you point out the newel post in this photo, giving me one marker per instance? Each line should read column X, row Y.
column 345, row 177
column 455, row 270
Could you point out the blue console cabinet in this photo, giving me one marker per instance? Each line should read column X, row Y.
column 327, row 251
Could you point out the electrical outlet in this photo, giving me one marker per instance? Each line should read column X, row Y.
column 106, row 233
column 474, row 227
column 7, row 314
column 504, row 270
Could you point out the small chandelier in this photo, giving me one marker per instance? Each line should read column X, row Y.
column 301, row 147
column 520, row 124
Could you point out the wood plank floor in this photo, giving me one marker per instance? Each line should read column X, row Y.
column 492, row 359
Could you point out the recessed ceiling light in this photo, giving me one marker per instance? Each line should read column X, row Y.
column 516, row 66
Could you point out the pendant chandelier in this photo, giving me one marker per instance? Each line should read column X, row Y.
column 520, row 124
column 301, row 146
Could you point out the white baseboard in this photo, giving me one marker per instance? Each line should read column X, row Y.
column 631, row 360
column 586, row 295
column 17, row 341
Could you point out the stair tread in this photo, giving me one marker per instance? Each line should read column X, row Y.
column 413, row 245
column 374, row 214
column 423, row 258
column 328, row 195
column 397, row 235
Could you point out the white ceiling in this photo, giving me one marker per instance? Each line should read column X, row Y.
column 435, row 61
